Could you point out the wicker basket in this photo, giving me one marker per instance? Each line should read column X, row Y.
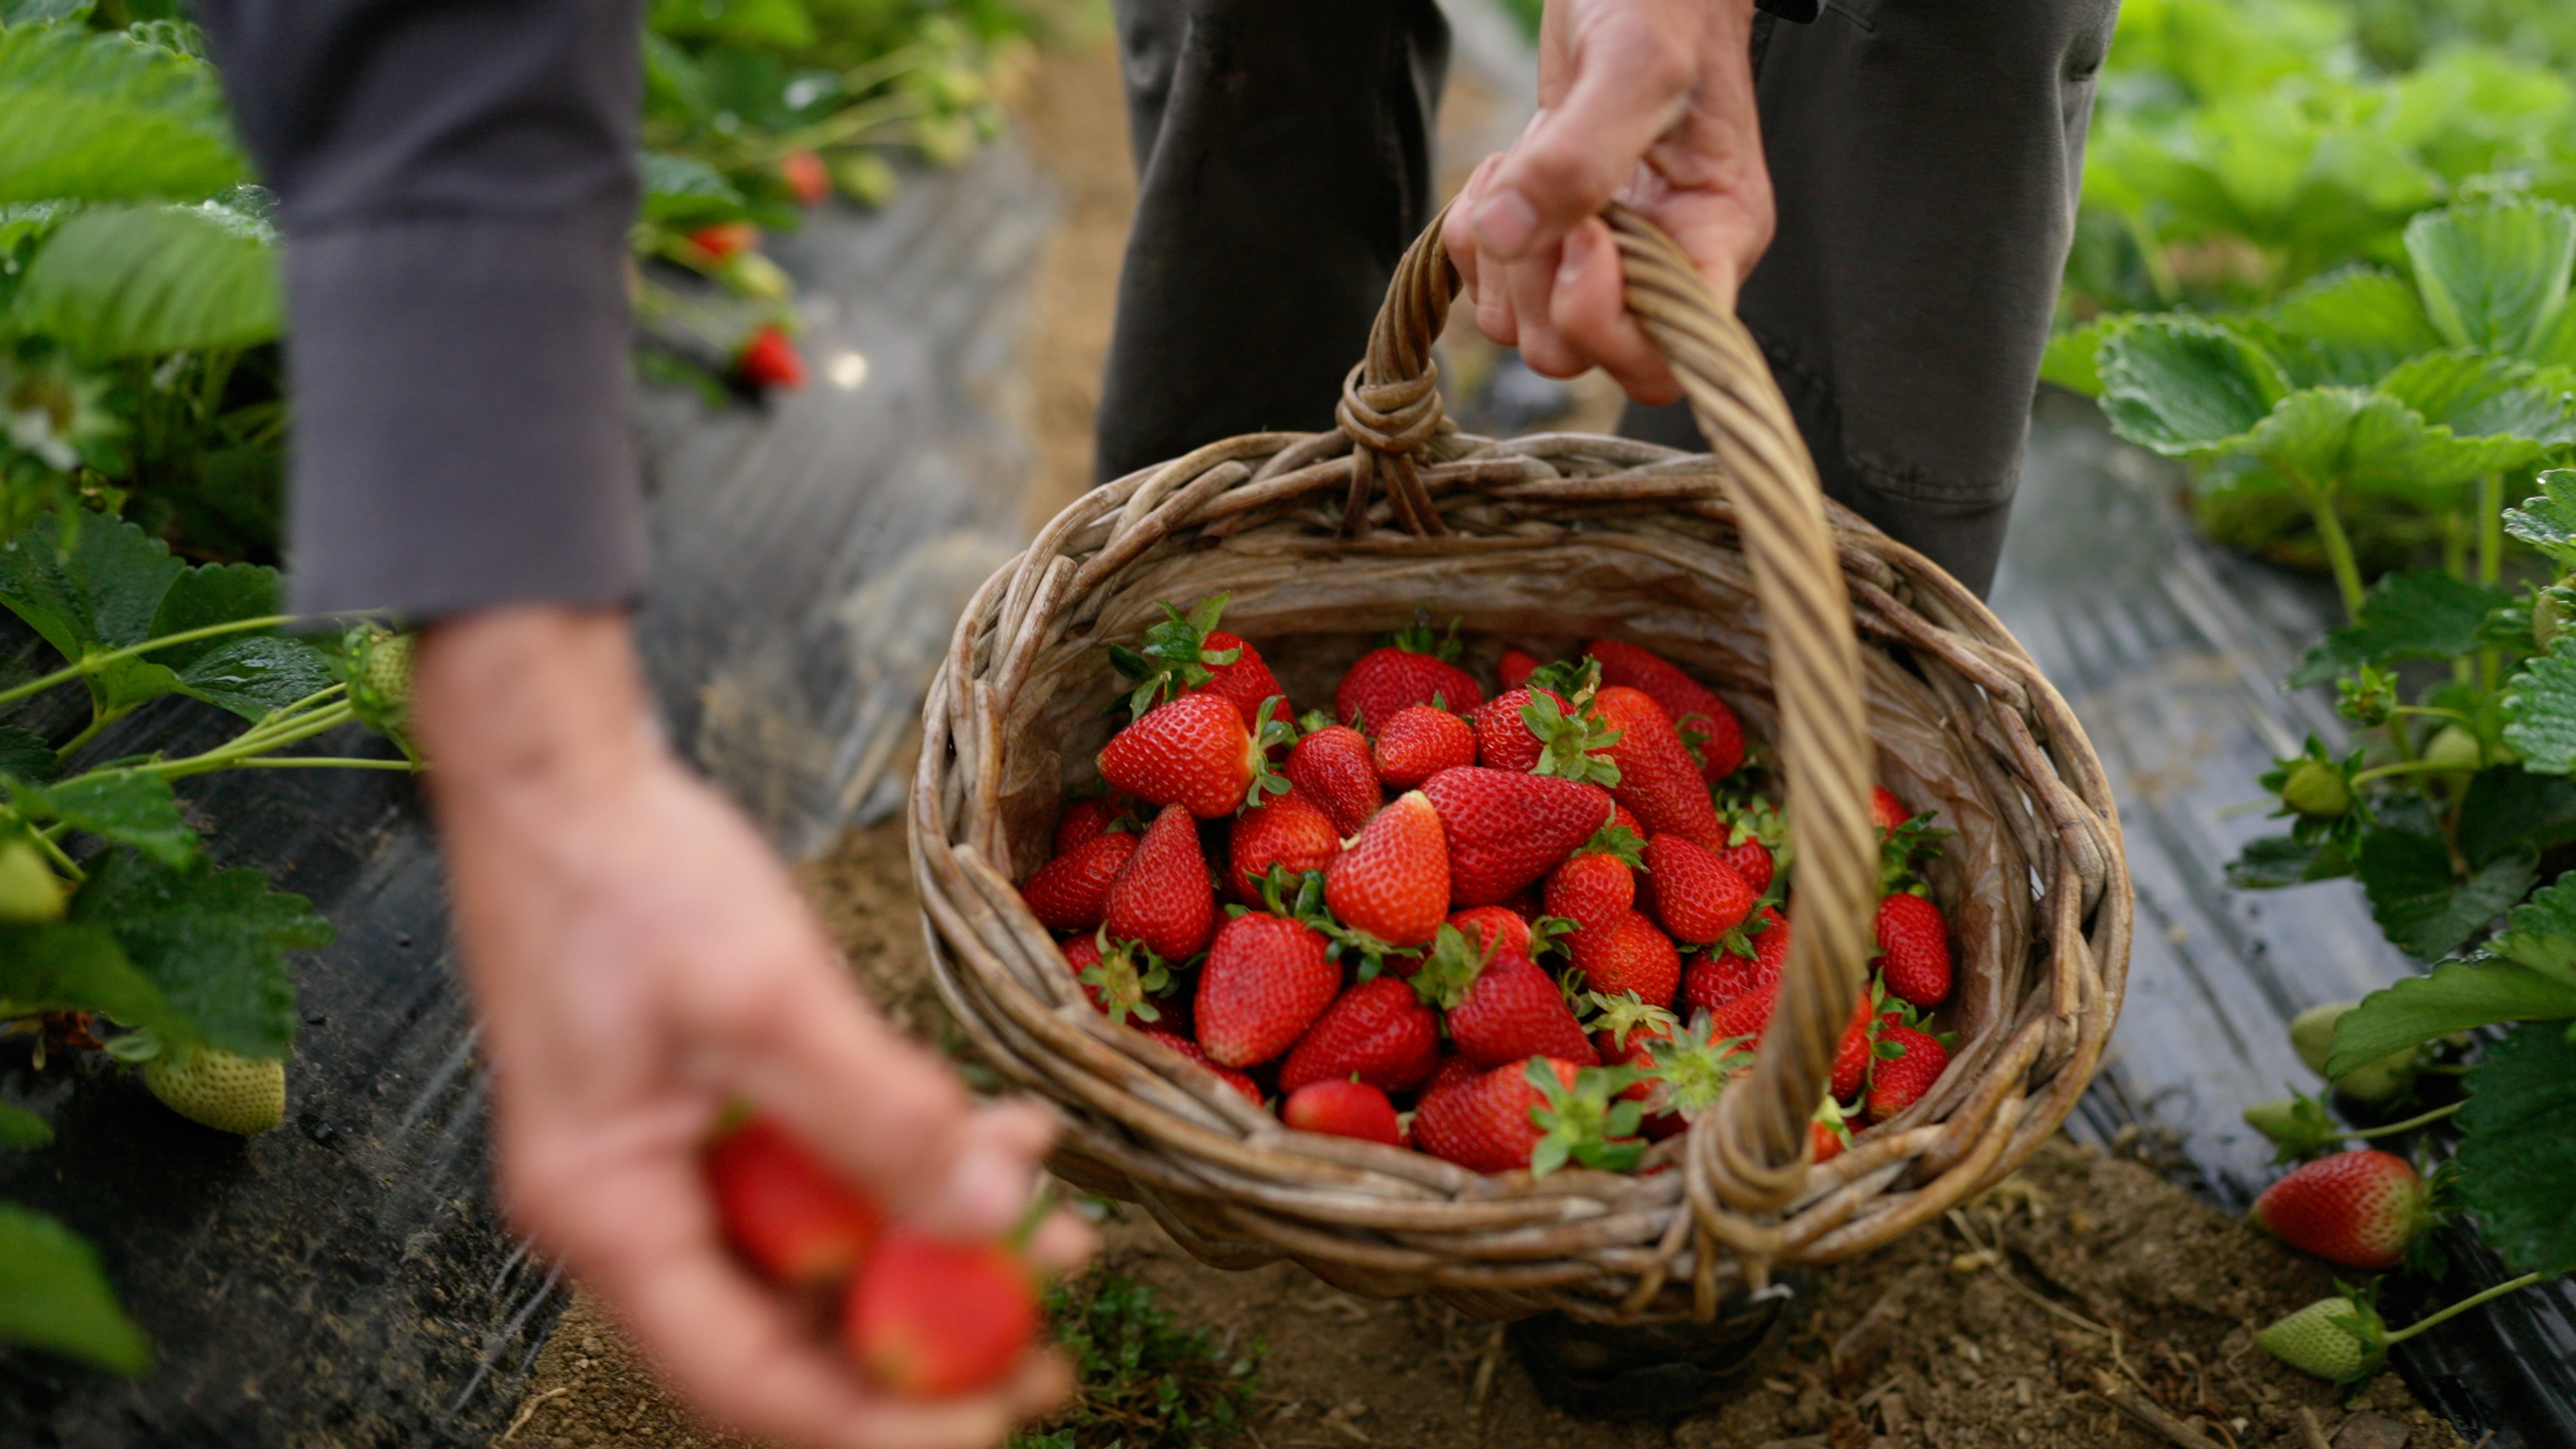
column 1825, row 634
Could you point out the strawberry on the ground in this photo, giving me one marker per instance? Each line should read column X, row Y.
column 1119, row 983
column 1266, row 980
column 768, row 360
column 2341, row 1339
column 1392, row 882
column 1343, row 1108
column 1244, row 1086
column 1187, row 653
column 1914, row 942
column 1657, row 778
column 1378, row 1031
column 1162, row 896
column 1071, row 892
column 2361, row 1209
column 1693, row 707
column 1516, row 667
column 1288, row 832
column 1698, row 896
column 1505, row 831
column 1885, row 809
column 1331, row 765
column 1084, row 819
column 1412, row 668
column 804, row 173
column 932, row 1318
column 1499, row 1008
column 1629, row 956
column 1539, row 1113
column 1192, row 752
column 1418, row 743
column 1898, row 1081
column 783, row 1211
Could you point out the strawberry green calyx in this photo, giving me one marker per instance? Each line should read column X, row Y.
column 1450, row 971
column 1313, row 720
column 1126, row 979
column 1300, row 898
column 1418, row 638
column 1587, row 1123
column 1567, row 741
column 1574, row 679
column 2297, row 1126
column 1277, row 732
column 1906, row 850
column 1836, row 1122
column 1616, row 840
column 1548, row 935
column 1626, row 1015
column 2369, row 699
column 1175, row 656
column 1691, row 1071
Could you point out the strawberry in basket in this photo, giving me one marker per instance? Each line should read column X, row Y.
column 1707, row 727
column 1188, row 654
column 1414, row 666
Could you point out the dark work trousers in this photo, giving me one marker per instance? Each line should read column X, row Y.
column 1926, row 156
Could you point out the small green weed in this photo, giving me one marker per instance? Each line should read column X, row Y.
column 1146, row 1384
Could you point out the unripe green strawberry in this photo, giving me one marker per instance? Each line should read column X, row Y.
column 30, row 893
column 2318, row 791
column 2451, row 748
column 2335, row 1339
column 219, row 1089
column 2385, row 1080
column 389, row 670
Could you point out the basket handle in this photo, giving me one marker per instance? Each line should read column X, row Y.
column 1753, row 1150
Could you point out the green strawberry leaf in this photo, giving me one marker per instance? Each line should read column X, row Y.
column 2417, row 614
column 2509, row 808
column 2493, row 274
column 121, row 805
column 53, row 1296
column 2547, row 520
column 253, row 674
column 2454, row 996
column 2476, row 395
column 77, row 968
column 94, row 116
column 24, row 755
column 2423, row 909
column 213, row 941
column 2541, row 933
column 23, row 1129
column 2186, row 387
column 2073, row 359
column 2516, row 1164
column 2540, row 710
column 2280, row 860
column 684, row 193
column 2350, row 329
column 136, row 281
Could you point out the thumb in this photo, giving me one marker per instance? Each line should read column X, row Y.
column 1575, row 156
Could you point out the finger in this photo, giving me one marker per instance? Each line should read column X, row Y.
column 1590, row 310
column 1040, row 1383
column 1532, row 284
column 994, row 1172
column 1061, row 1244
column 1457, row 228
column 1574, row 156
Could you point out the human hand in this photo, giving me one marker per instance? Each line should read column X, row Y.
column 1649, row 102
column 640, row 961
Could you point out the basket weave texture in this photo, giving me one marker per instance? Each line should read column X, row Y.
column 1851, row 654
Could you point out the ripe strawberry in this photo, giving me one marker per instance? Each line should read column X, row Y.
column 1536, row 728
column 1715, row 978
column 770, row 361
column 1629, row 957
column 1343, row 1109
column 1084, row 819
column 1245, row 679
column 1915, row 944
column 1886, row 809
column 929, row 1318
column 1692, row 706
column 1494, row 931
column 1163, row 896
column 1413, row 668
column 1419, row 742
column 1591, row 889
column 1698, row 897
column 1897, row 1081
column 1504, row 831
column 2336, row 1339
column 1454, row 1071
column 805, row 176
column 1625, row 819
column 1119, row 983
column 1516, row 668
column 1266, row 980
column 2360, row 1209
column 216, row 1088
column 1500, row 1008
column 1621, row 1026
column 1657, row 778
column 1250, row 1089
column 724, row 239
column 1071, row 892
column 1188, row 654
column 1287, row 832
column 1194, row 752
column 1859, row 1047
column 1378, row 1031
column 783, row 1211
column 1751, row 859
column 1332, row 766
column 1392, row 883
column 1746, row 1016
column 1828, row 1133
column 1539, row 1113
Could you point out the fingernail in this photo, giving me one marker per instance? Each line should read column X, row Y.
column 1576, row 253
column 1506, row 223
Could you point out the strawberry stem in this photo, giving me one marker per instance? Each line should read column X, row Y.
column 2510, row 1285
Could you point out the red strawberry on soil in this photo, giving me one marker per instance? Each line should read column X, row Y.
column 1502, row 1008
column 770, row 362
column 1331, row 765
column 1393, row 880
column 1343, row 1109
column 1505, row 831
column 783, row 1211
column 1516, row 668
column 1896, row 1082
column 1698, row 896
column 1657, row 778
column 1192, row 752
column 1071, row 892
column 1378, row 1031
column 1266, row 980
column 1082, row 820
column 1914, row 942
column 1162, row 896
column 1418, row 743
column 1249, row 1089
column 1288, row 832
column 2360, row 1209
column 1629, row 957
column 1693, row 707
column 929, row 1318
column 1413, row 668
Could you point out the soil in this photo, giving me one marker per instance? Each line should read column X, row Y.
column 2001, row 1328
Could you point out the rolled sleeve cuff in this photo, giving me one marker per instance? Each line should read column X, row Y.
column 462, row 433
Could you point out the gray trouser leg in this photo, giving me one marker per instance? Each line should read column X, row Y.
column 1284, row 153
column 1927, row 158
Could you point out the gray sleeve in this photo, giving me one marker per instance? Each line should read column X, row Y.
column 455, row 178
